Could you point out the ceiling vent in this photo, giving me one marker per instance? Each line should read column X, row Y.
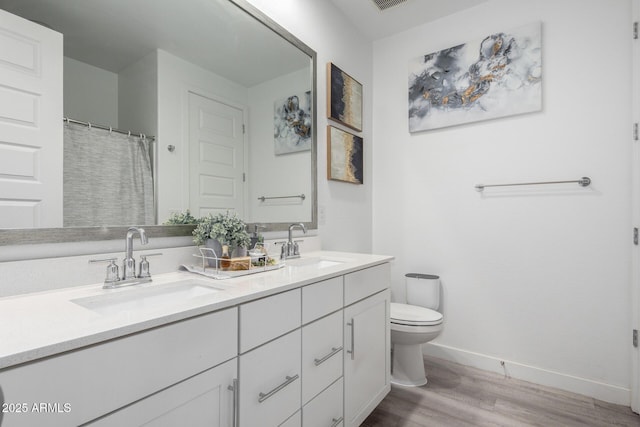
column 386, row 4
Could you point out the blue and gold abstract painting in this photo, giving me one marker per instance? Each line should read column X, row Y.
column 344, row 156
column 345, row 98
column 497, row 76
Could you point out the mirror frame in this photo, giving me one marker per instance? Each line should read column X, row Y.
column 82, row 234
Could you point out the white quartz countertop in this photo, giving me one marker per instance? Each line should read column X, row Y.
column 42, row 324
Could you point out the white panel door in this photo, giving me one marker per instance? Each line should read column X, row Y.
column 216, row 157
column 30, row 124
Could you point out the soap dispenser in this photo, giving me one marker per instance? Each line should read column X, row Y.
column 255, row 236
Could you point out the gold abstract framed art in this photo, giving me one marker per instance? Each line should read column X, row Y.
column 344, row 98
column 344, row 156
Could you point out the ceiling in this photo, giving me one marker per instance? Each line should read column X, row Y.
column 375, row 24
column 214, row 34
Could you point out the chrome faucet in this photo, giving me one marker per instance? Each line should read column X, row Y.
column 129, row 276
column 290, row 249
column 129, row 263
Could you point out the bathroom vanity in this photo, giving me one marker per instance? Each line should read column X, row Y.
column 307, row 344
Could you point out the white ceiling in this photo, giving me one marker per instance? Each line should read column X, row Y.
column 214, row 34
column 376, row 24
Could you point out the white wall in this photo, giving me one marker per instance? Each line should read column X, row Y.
column 344, row 219
column 538, row 277
column 270, row 174
column 90, row 93
column 138, row 96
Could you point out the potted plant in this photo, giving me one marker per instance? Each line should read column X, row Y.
column 181, row 218
column 213, row 231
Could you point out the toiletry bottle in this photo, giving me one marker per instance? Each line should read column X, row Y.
column 225, row 262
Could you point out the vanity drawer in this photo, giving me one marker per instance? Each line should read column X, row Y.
column 361, row 284
column 268, row 318
column 270, row 382
column 322, row 298
column 322, row 354
column 325, row 410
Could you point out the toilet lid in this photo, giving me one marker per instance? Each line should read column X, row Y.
column 405, row 314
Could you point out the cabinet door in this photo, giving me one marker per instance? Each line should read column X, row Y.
column 366, row 356
column 207, row 399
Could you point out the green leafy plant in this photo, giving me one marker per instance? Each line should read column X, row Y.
column 226, row 228
column 180, row 218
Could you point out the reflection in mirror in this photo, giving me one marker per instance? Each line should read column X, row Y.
column 201, row 105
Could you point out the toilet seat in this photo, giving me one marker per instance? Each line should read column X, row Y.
column 412, row 315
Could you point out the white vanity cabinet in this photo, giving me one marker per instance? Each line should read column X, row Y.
column 366, row 342
column 314, row 354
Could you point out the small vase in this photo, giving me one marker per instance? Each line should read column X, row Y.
column 216, row 246
column 239, row 251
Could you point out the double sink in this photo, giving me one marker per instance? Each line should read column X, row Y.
column 149, row 297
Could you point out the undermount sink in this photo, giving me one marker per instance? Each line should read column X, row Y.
column 317, row 262
column 152, row 296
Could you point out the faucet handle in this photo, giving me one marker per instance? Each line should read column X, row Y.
column 144, row 265
column 296, row 247
column 113, row 273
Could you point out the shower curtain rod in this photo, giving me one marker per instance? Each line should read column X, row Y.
column 110, row 129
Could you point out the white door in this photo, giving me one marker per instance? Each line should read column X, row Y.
column 30, row 124
column 216, row 157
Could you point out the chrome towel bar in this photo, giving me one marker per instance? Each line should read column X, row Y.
column 301, row 196
column 585, row 181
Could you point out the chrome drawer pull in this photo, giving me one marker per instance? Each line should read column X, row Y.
column 336, row 422
column 234, row 389
column 352, row 352
column 334, row 351
column 264, row 396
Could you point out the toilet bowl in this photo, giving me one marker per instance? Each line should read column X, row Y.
column 413, row 325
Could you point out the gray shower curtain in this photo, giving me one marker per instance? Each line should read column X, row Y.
column 107, row 178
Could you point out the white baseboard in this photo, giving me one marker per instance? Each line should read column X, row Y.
column 597, row 390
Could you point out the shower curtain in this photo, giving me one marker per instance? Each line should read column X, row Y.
column 107, row 178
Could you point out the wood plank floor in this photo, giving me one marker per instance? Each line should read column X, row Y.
column 458, row 395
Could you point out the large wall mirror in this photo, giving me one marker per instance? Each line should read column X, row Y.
column 205, row 105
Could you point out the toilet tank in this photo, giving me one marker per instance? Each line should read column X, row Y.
column 423, row 290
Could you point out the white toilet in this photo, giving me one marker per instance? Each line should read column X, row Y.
column 412, row 325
